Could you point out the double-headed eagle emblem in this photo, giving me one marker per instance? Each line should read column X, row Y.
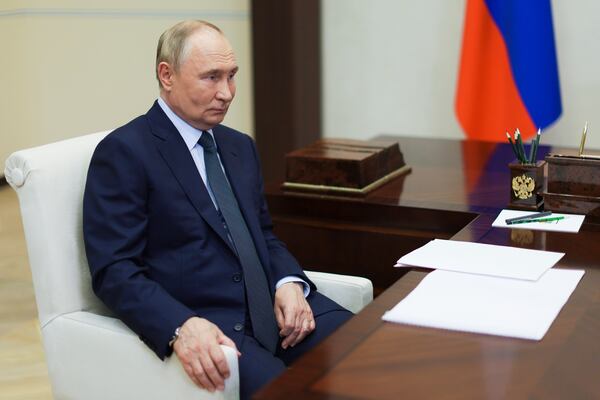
column 523, row 186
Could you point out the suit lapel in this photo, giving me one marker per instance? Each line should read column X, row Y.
column 176, row 154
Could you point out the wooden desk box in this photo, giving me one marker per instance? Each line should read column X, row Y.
column 343, row 167
column 573, row 184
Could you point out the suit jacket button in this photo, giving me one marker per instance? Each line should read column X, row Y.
column 238, row 327
column 237, row 277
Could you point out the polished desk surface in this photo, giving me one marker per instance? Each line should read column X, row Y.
column 369, row 359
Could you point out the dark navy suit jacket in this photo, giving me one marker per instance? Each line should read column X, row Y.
column 156, row 246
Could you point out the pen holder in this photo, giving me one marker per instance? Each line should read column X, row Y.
column 526, row 185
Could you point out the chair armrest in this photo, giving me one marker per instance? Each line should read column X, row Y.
column 352, row 292
column 108, row 361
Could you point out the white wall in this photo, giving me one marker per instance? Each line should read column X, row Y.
column 390, row 66
column 73, row 67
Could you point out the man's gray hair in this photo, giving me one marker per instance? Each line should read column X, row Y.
column 172, row 43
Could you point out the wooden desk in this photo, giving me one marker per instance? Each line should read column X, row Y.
column 369, row 359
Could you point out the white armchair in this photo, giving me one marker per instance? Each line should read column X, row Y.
column 90, row 354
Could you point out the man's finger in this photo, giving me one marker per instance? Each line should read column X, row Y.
column 289, row 323
column 190, row 372
column 218, row 358
column 303, row 333
column 211, row 372
column 291, row 338
column 201, row 377
column 225, row 340
column 279, row 318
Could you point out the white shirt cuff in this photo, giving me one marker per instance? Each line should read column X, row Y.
column 292, row 278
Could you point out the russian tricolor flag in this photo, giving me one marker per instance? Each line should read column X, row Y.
column 508, row 73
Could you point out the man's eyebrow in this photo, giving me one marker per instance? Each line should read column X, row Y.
column 216, row 71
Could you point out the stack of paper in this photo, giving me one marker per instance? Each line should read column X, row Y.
column 521, row 300
column 479, row 258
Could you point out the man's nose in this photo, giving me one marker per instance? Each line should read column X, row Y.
column 225, row 90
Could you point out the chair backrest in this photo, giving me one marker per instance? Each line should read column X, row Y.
column 50, row 181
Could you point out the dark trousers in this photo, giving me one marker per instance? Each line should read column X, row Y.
column 258, row 366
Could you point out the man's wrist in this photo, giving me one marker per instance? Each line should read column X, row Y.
column 175, row 336
column 294, row 278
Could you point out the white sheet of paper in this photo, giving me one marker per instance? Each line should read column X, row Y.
column 571, row 222
column 479, row 258
column 486, row 304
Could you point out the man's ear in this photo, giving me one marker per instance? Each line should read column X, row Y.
column 165, row 75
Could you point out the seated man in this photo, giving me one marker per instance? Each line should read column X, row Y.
column 177, row 232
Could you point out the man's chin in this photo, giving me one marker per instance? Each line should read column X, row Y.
column 215, row 119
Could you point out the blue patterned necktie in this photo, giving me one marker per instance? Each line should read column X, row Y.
column 260, row 304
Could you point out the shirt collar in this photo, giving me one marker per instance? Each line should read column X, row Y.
column 189, row 134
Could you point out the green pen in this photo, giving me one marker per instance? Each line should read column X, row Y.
column 526, row 221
